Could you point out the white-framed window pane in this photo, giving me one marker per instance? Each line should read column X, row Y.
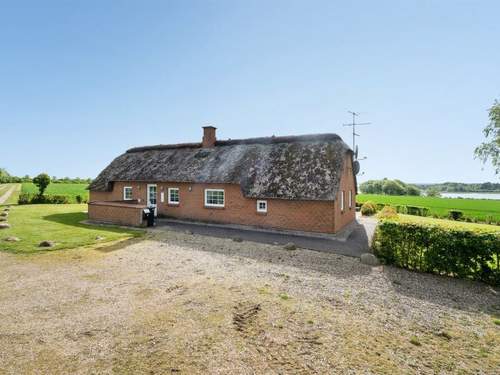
column 127, row 193
column 342, row 201
column 261, row 206
column 173, row 195
column 214, row 197
column 350, row 198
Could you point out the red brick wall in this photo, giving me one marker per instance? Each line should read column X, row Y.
column 116, row 214
column 347, row 183
column 313, row 216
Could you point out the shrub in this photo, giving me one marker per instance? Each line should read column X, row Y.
column 388, row 212
column 79, row 199
column 440, row 250
column 368, row 208
column 401, row 209
column 455, row 214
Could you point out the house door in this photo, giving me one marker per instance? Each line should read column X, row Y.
column 152, row 197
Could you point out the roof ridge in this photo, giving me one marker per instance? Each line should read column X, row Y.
column 245, row 141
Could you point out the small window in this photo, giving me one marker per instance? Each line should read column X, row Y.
column 173, row 196
column 342, row 201
column 214, row 197
column 127, row 193
column 261, row 206
column 350, row 199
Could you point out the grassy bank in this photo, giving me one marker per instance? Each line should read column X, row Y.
column 478, row 209
column 69, row 190
column 59, row 223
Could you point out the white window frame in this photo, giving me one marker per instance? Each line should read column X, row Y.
column 178, row 195
column 262, row 210
column 350, row 199
column 125, row 194
column 342, row 201
column 215, row 204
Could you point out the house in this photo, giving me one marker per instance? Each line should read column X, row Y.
column 303, row 183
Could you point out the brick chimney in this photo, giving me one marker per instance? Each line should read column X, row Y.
column 208, row 136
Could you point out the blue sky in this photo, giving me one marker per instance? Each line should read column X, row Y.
column 82, row 81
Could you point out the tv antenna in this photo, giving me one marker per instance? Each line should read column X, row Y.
column 354, row 134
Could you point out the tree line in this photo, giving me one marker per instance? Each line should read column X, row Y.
column 6, row 177
column 388, row 187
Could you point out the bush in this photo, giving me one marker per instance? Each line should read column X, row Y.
column 368, row 209
column 455, row 214
column 439, row 250
column 27, row 198
column 388, row 212
column 401, row 209
column 79, row 199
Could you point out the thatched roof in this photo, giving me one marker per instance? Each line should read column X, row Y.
column 305, row 167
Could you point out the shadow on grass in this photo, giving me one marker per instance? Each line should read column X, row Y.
column 75, row 219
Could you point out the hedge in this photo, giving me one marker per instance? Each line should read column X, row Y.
column 439, row 250
column 27, row 198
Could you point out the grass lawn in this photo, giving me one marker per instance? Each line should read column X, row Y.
column 58, row 223
column 449, row 223
column 70, row 190
column 480, row 209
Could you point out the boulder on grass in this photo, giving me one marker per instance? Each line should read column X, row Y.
column 290, row 246
column 369, row 259
column 46, row 244
column 6, row 209
column 4, row 225
column 4, row 214
column 12, row 239
column 3, row 219
column 99, row 238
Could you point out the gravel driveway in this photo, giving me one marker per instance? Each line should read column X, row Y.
column 189, row 304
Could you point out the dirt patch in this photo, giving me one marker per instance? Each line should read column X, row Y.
column 178, row 303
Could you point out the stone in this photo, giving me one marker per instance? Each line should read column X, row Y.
column 188, row 232
column 290, row 246
column 4, row 225
column 3, row 219
column 46, row 244
column 12, row 239
column 6, row 209
column 99, row 238
column 4, row 214
column 238, row 239
column 369, row 259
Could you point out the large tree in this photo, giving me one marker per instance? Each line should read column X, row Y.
column 490, row 149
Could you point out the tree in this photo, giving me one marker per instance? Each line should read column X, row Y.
column 42, row 181
column 433, row 192
column 412, row 190
column 393, row 188
column 490, row 150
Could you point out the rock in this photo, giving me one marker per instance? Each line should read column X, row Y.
column 6, row 209
column 188, row 232
column 3, row 219
column 238, row 239
column 99, row 238
column 4, row 214
column 46, row 244
column 369, row 259
column 12, row 239
column 4, row 225
column 290, row 246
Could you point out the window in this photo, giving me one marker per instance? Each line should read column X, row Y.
column 261, row 206
column 173, row 196
column 127, row 193
column 350, row 199
column 342, row 201
column 214, row 197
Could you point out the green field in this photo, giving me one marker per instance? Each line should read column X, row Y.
column 479, row 209
column 59, row 223
column 70, row 190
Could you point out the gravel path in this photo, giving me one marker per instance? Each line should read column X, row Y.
column 7, row 194
column 190, row 304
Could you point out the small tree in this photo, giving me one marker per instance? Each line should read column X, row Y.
column 42, row 181
column 490, row 150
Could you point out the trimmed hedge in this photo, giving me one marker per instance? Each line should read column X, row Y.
column 439, row 250
column 27, row 198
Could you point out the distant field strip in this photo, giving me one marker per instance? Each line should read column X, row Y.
column 481, row 209
column 70, row 190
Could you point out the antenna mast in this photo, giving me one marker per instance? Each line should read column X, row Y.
column 353, row 125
